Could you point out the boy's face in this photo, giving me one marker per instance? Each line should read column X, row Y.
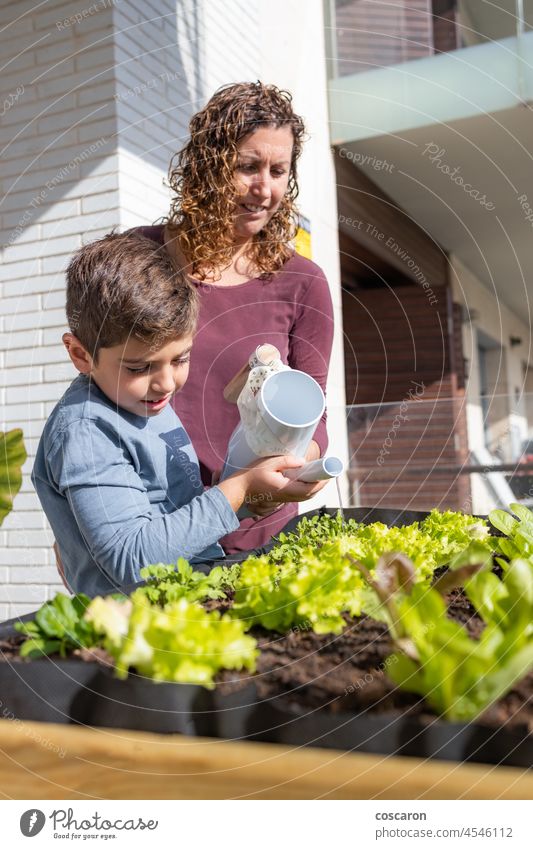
column 134, row 375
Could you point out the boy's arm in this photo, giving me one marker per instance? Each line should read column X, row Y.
column 113, row 513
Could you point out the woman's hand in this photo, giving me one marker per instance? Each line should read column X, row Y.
column 313, row 452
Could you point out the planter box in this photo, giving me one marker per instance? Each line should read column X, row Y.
column 77, row 692
column 135, row 765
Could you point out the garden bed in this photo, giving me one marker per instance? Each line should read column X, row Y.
column 309, row 689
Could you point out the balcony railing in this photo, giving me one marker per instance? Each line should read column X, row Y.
column 370, row 34
column 459, row 454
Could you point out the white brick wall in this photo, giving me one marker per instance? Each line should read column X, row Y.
column 84, row 125
column 105, row 103
column 60, row 131
column 153, row 103
column 232, row 42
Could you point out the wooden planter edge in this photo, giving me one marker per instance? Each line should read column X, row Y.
column 48, row 761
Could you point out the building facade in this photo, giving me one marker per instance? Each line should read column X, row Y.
column 431, row 119
column 97, row 99
column 416, row 182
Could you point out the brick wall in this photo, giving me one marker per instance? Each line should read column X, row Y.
column 59, row 187
column 403, row 354
column 402, row 361
column 99, row 99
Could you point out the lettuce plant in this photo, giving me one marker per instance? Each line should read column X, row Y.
column 311, row 594
column 429, row 543
column 311, row 532
column 181, row 643
column 169, row 583
column 309, row 578
column 518, row 539
column 59, row 627
column 459, row 676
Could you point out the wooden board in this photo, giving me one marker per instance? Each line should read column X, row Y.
column 41, row 761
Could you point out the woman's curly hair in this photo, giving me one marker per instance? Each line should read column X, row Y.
column 202, row 178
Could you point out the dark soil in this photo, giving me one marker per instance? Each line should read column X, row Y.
column 9, row 649
column 348, row 672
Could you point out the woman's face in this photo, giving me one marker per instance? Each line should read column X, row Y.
column 261, row 178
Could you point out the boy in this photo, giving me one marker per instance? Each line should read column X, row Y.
column 115, row 471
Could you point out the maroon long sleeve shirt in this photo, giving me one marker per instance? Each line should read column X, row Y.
column 292, row 310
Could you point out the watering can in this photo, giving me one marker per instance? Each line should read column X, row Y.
column 280, row 408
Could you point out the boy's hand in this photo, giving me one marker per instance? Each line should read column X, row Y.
column 265, row 508
column 263, row 483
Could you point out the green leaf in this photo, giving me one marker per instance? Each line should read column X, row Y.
column 28, row 628
column 524, row 514
column 502, row 521
column 495, row 685
column 38, row 646
column 12, row 458
column 485, row 591
column 518, row 582
column 59, row 625
column 168, row 583
column 460, row 676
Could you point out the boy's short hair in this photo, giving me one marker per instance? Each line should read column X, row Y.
column 127, row 285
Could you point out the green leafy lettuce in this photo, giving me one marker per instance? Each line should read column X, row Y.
column 181, row 643
column 518, row 539
column 312, row 594
column 309, row 579
column 460, row 676
column 169, row 583
column 59, row 627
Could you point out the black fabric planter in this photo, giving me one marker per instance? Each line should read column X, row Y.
column 43, row 690
column 76, row 691
column 392, row 734
column 145, row 705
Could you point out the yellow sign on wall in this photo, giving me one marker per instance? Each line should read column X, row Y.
column 302, row 240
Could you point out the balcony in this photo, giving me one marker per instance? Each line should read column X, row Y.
column 401, row 64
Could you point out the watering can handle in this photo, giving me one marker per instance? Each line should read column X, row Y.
column 262, row 356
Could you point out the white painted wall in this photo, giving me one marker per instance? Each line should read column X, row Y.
column 101, row 100
column 293, row 57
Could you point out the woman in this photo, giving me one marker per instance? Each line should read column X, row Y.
column 230, row 226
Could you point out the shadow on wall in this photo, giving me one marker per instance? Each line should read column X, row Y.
column 81, row 85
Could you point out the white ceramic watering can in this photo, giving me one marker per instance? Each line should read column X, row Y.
column 279, row 411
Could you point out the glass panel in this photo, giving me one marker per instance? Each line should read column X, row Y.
column 421, row 453
column 370, row 34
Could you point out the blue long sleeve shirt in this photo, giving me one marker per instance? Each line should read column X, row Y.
column 123, row 491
